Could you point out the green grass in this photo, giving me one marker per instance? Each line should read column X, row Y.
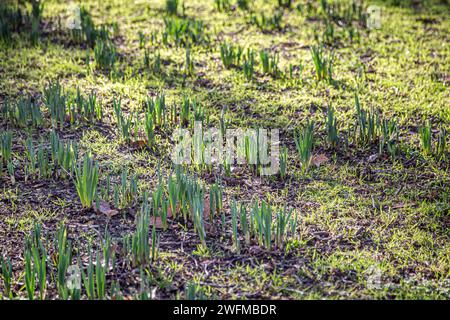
column 134, row 72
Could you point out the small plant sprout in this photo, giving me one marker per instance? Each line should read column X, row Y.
column 234, row 221
column 30, row 275
column 390, row 137
column 105, row 54
column 189, row 64
column 222, row 5
column 142, row 39
column 6, row 146
column 174, row 190
column 6, row 269
column 267, row 24
column 331, row 127
column 283, row 219
column 215, row 199
column 244, row 224
column 261, row 221
column 171, row 7
column 94, row 279
column 39, row 256
column 64, row 260
column 89, row 279
column 230, row 55
column 195, row 291
column 150, row 130
column 304, row 142
column 198, row 215
column 25, row 113
column 249, row 63
column 101, row 269
column 56, row 102
column 425, row 139
column 86, row 180
column 323, row 64
column 368, row 124
column 269, row 63
column 140, row 245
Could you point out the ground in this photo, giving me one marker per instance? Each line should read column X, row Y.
column 368, row 226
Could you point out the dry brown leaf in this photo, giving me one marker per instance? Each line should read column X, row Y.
column 139, row 144
column 206, row 207
column 104, row 208
column 169, row 212
column 318, row 159
column 157, row 221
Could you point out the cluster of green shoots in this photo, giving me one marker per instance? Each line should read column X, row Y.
column 269, row 63
column 89, row 32
column 249, row 64
column 23, row 113
column 86, row 180
column 304, row 143
column 94, row 278
column 56, row 102
column 230, row 55
column 267, row 24
column 157, row 117
column 63, row 158
column 426, row 136
column 64, row 108
column 88, row 108
column 138, row 246
column 10, row 21
column 17, row 18
column 35, row 257
column 99, row 39
column 172, row 7
column 236, row 57
column 331, row 127
column 6, row 138
column 342, row 14
column 195, row 291
column 124, row 192
column 105, row 54
column 370, row 128
column 268, row 226
column 152, row 61
column 59, row 270
column 323, row 64
column 184, row 32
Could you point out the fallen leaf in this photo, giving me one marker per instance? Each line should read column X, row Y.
column 169, row 212
column 206, row 207
column 157, row 221
column 139, row 144
column 318, row 159
column 104, row 208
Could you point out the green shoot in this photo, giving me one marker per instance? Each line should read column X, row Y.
column 86, row 180
column 304, row 142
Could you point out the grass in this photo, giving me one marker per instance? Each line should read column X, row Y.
column 364, row 189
